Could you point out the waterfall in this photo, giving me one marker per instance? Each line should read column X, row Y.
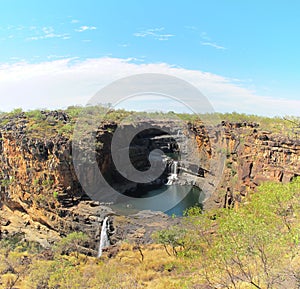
column 104, row 242
column 173, row 177
column 175, row 168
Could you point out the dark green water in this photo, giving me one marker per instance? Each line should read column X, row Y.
column 193, row 197
column 173, row 202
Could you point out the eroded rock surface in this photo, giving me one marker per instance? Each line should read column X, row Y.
column 254, row 156
column 42, row 197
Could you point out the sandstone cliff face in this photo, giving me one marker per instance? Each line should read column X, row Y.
column 41, row 196
column 254, row 156
column 38, row 185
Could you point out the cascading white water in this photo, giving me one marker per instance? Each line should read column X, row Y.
column 173, row 176
column 175, row 168
column 104, row 242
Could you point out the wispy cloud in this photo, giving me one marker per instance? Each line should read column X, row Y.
column 12, row 27
column 48, row 32
column 55, row 56
column 85, row 28
column 207, row 41
column 155, row 33
column 64, row 31
column 214, row 45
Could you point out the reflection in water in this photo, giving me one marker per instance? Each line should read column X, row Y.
column 193, row 198
column 183, row 196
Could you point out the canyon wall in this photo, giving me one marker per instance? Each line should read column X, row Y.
column 254, row 156
column 41, row 196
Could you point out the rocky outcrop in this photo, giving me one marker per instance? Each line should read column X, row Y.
column 41, row 196
column 39, row 191
column 254, row 156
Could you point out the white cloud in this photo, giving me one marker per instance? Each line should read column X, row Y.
column 207, row 41
column 85, row 28
column 154, row 33
column 32, row 32
column 55, row 56
column 48, row 32
column 60, row 83
column 214, row 45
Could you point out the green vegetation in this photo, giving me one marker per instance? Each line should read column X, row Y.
column 71, row 243
column 15, row 112
column 173, row 238
column 253, row 246
column 42, row 123
column 7, row 182
column 55, row 194
column 47, row 183
column 36, row 115
column 67, row 129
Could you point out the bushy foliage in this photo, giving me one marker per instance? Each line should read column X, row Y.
column 71, row 243
column 36, row 115
column 253, row 246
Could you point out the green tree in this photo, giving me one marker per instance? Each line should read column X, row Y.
column 72, row 243
column 173, row 237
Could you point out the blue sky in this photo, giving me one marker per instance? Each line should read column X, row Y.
column 249, row 48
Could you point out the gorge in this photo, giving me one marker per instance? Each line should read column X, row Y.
column 42, row 198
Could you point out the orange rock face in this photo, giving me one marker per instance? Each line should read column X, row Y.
column 39, row 187
column 255, row 156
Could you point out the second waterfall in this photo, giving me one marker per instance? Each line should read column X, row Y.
column 104, row 241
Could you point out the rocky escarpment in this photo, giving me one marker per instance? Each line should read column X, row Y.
column 42, row 197
column 38, row 182
column 254, row 156
column 40, row 193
